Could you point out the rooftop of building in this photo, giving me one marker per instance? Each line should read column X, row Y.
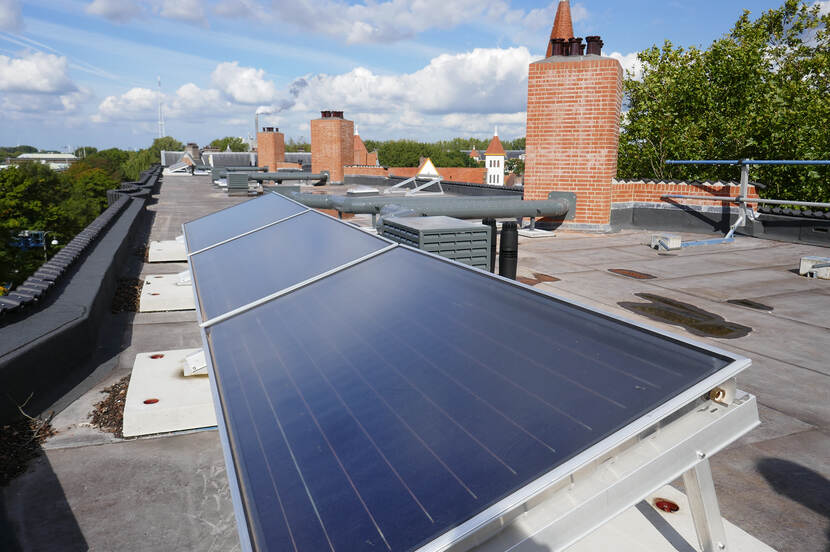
column 170, row 491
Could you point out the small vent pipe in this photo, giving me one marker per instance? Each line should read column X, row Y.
column 494, row 234
column 509, row 250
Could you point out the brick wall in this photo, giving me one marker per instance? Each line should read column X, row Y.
column 573, row 119
column 270, row 149
column 365, row 171
column 332, row 146
column 372, row 158
column 474, row 175
column 632, row 191
column 361, row 156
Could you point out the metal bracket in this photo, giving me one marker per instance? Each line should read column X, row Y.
column 570, row 197
column 703, row 502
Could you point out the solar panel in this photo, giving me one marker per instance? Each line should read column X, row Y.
column 276, row 257
column 233, row 221
column 379, row 408
column 374, row 397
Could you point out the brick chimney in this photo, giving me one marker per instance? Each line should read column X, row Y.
column 332, row 144
column 270, row 145
column 573, row 125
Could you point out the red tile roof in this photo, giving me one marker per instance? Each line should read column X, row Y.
column 495, row 147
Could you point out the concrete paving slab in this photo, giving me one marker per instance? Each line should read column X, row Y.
column 166, row 251
column 806, row 307
column 161, row 399
column 162, row 292
column 162, row 268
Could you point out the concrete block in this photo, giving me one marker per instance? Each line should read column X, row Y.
column 807, row 264
column 163, row 292
column 167, row 251
column 160, row 399
column 670, row 241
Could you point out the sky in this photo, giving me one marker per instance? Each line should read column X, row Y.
column 86, row 72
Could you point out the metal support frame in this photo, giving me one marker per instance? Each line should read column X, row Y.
column 418, row 189
column 742, row 200
column 598, row 491
column 703, row 502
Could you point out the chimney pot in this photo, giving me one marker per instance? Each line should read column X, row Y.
column 575, row 45
column 558, row 47
column 595, row 45
column 325, row 114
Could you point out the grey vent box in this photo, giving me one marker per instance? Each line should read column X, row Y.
column 238, row 183
column 460, row 240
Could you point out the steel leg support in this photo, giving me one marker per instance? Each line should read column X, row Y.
column 700, row 490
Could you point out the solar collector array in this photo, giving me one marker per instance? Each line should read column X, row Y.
column 385, row 404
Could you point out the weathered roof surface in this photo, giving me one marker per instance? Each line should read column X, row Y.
column 495, row 147
column 562, row 26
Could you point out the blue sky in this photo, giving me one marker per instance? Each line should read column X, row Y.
column 84, row 72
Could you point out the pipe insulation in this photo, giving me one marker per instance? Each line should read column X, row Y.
column 466, row 207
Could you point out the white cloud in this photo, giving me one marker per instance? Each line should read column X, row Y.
column 35, row 73
column 481, row 81
column 241, row 8
column 119, row 11
column 630, row 63
column 184, row 10
column 123, row 11
column 245, row 85
column 188, row 103
column 11, row 18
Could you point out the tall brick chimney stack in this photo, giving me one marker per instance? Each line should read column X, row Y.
column 332, row 144
column 270, row 146
column 573, row 125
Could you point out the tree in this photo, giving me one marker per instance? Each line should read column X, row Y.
column 235, row 144
column 142, row 160
column 759, row 92
column 298, row 144
column 83, row 151
column 515, row 166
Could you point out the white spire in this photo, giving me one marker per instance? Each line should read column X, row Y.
column 356, row 133
column 496, row 132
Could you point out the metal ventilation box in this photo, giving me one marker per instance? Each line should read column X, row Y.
column 459, row 240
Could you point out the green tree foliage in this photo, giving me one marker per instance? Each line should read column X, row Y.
column 760, row 92
column 142, row 160
column 515, row 166
column 83, row 151
column 14, row 151
column 236, row 144
column 298, row 144
column 444, row 153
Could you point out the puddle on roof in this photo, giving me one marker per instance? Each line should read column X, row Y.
column 537, row 279
column 632, row 274
column 750, row 303
column 693, row 319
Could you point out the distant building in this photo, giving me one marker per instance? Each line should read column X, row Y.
column 494, row 159
column 55, row 161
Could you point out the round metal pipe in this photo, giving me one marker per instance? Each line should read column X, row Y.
column 287, row 175
column 458, row 207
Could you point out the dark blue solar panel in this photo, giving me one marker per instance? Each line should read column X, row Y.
column 236, row 220
column 380, row 407
column 246, row 269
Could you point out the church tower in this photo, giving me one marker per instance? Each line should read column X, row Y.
column 494, row 159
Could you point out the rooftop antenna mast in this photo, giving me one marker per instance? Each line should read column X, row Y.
column 162, row 133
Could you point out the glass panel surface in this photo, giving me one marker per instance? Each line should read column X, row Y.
column 251, row 267
column 384, row 405
column 236, row 220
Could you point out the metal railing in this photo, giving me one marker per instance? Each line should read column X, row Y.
column 742, row 200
